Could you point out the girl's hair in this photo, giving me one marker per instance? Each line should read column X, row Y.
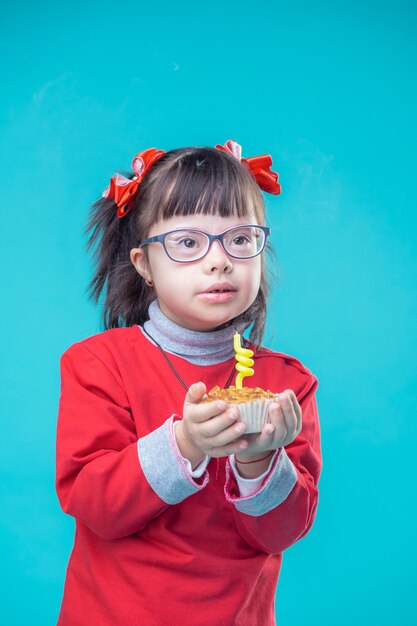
column 183, row 181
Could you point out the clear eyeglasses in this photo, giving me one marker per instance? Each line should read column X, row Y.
column 189, row 244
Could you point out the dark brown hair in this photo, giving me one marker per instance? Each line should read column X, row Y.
column 183, row 181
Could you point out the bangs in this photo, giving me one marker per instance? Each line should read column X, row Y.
column 205, row 181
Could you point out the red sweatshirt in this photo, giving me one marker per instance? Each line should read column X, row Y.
column 153, row 545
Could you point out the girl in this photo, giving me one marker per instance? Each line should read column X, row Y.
column 181, row 519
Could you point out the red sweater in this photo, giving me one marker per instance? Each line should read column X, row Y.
column 173, row 550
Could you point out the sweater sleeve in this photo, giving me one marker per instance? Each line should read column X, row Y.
column 282, row 511
column 100, row 479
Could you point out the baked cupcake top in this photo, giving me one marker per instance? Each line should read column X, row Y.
column 232, row 395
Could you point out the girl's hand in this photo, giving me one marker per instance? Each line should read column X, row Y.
column 207, row 429
column 286, row 423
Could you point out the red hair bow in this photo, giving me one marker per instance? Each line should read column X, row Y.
column 260, row 166
column 123, row 189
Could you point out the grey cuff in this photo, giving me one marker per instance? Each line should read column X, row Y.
column 164, row 466
column 275, row 489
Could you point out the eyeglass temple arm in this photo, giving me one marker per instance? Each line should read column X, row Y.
column 152, row 240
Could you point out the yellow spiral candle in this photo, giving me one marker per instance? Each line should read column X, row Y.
column 244, row 361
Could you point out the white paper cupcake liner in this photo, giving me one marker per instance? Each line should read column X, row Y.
column 254, row 414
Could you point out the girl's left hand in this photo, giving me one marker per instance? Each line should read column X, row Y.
column 286, row 423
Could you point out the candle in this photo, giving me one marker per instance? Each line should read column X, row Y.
column 244, row 361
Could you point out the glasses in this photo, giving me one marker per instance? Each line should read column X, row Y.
column 188, row 244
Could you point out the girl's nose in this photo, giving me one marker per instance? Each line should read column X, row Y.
column 217, row 259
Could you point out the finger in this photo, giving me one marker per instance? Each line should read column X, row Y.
column 297, row 409
column 278, row 421
column 195, row 393
column 295, row 403
column 215, row 425
column 206, row 411
column 231, row 448
column 266, row 436
column 290, row 417
column 226, row 436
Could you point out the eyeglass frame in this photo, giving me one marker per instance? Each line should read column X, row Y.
column 161, row 239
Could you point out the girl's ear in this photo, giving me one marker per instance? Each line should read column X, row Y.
column 138, row 258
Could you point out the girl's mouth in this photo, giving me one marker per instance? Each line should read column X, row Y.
column 218, row 295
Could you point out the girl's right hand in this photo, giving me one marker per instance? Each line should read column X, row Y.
column 208, row 428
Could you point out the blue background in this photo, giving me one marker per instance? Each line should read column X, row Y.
column 329, row 90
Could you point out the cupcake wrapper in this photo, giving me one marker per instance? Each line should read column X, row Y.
column 254, row 414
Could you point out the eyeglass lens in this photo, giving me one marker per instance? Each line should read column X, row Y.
column 189, row 245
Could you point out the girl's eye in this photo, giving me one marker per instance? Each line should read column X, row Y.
column 240, row 240
column 188, row 242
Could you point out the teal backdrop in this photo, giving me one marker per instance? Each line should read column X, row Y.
column 329, row 90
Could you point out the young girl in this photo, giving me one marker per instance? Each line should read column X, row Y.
column 181, row 518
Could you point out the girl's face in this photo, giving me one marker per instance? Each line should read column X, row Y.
column 181, row 288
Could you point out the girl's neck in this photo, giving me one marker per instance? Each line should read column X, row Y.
column 201, row 348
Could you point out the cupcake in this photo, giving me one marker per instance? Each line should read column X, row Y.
column 252, row 404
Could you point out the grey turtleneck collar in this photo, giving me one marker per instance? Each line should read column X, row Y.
column 201, row 348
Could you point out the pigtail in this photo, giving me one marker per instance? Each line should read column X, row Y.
column 110, row 239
